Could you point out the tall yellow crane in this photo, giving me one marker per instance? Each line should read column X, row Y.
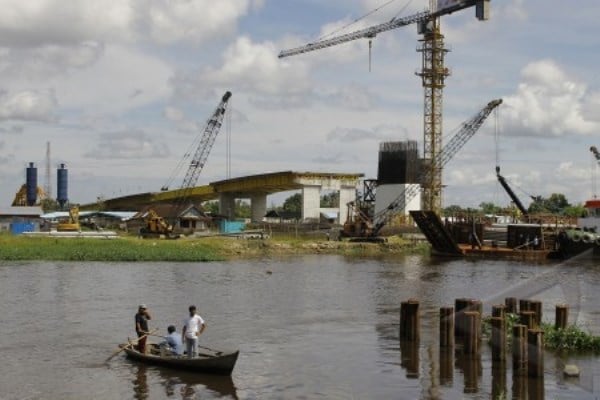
column 433, row 74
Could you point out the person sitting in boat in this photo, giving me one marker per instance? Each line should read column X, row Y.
column 172, row 342
column 192, row 328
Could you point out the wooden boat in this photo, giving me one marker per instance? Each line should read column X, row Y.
column 208, row 361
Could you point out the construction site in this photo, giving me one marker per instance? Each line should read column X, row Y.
column 407, row 192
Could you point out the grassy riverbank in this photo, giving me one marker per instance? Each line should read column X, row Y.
column 21, row 248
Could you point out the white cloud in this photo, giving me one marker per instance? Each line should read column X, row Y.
column 34, row 23
column 247, row 66
column 132, row 144
column 29, row 105
column 123, row 78
column 197, row 20
column 548, row 102
column 40, row 22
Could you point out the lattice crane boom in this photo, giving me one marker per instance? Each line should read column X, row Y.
column 369, row 33
column 468, row 129
column 201, row 149
column 372, row 31
column 209, row 136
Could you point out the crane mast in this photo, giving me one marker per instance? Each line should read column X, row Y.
column 468, row 129
column 433, row 74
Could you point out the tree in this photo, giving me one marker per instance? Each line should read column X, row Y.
column 293, row 203
column 557, row 203
column 575, row 211
column 211, row 207
column 490, row 208
column 330, row 200
column 452, row 210
column 242, row 209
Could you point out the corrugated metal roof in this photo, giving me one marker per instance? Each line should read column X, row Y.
column 122, row 215
column 21, row 211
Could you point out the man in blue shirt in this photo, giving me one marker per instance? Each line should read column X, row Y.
column 173, row 341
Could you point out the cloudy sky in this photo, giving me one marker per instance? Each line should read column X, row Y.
column 120, row 89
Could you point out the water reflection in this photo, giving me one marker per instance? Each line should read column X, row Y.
column 470, row 364
column 409, row 351
column 181, row 384
column 140, row 383
column 536, row 388
column 498, row 378
column 519, row 387
column 446, row 366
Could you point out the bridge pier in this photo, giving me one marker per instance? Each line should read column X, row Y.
column 227, row 204
column 258, row 206
column 311, row 202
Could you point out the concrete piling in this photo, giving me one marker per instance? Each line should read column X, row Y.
column 472, row 323
column 519, row 349
column 498, row 338
column 561, row 316
column 499, row 310
column 409, row 320
column 535, row 353
column 446, row 327
column 498, row 323
column 527, row 318
column 511, row 305
column 536, row 306
column 460, row 306
column 523, row 305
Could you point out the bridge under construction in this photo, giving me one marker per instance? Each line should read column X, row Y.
column 254, row 187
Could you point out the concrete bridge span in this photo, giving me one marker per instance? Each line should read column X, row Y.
column 253, row 187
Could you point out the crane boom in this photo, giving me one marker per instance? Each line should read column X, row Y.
column 208, row 139
column 469, row 128
column 511, row 193
column 372, row 31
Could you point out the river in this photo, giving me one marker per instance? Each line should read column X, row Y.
column 307, row 327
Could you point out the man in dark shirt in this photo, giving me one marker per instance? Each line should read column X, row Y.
column 141, row 326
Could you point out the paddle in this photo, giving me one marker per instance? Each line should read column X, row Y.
column 130, row 344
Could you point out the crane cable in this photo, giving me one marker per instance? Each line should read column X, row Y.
column 363, row 17
column 187, row 155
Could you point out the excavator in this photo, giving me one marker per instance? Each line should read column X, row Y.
column 360, row 226
column 72, row 225
column 156, row 226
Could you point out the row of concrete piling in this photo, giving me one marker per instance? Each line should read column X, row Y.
column 462, row 324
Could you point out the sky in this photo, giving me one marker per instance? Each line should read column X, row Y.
column 121, row 88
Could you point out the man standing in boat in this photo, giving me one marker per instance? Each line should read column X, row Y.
column 192, row 328
column 141, row 326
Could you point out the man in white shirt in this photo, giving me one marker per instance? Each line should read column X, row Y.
column 192, row 328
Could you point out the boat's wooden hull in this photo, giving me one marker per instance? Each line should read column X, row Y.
column 209, row 362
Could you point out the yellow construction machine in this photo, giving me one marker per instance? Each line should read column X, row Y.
column 72, row 225
column 156, row 226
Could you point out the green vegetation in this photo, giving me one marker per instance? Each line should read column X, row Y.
column 13, row 248
column 556, row 204
column 88, row 249
column 571, row 339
